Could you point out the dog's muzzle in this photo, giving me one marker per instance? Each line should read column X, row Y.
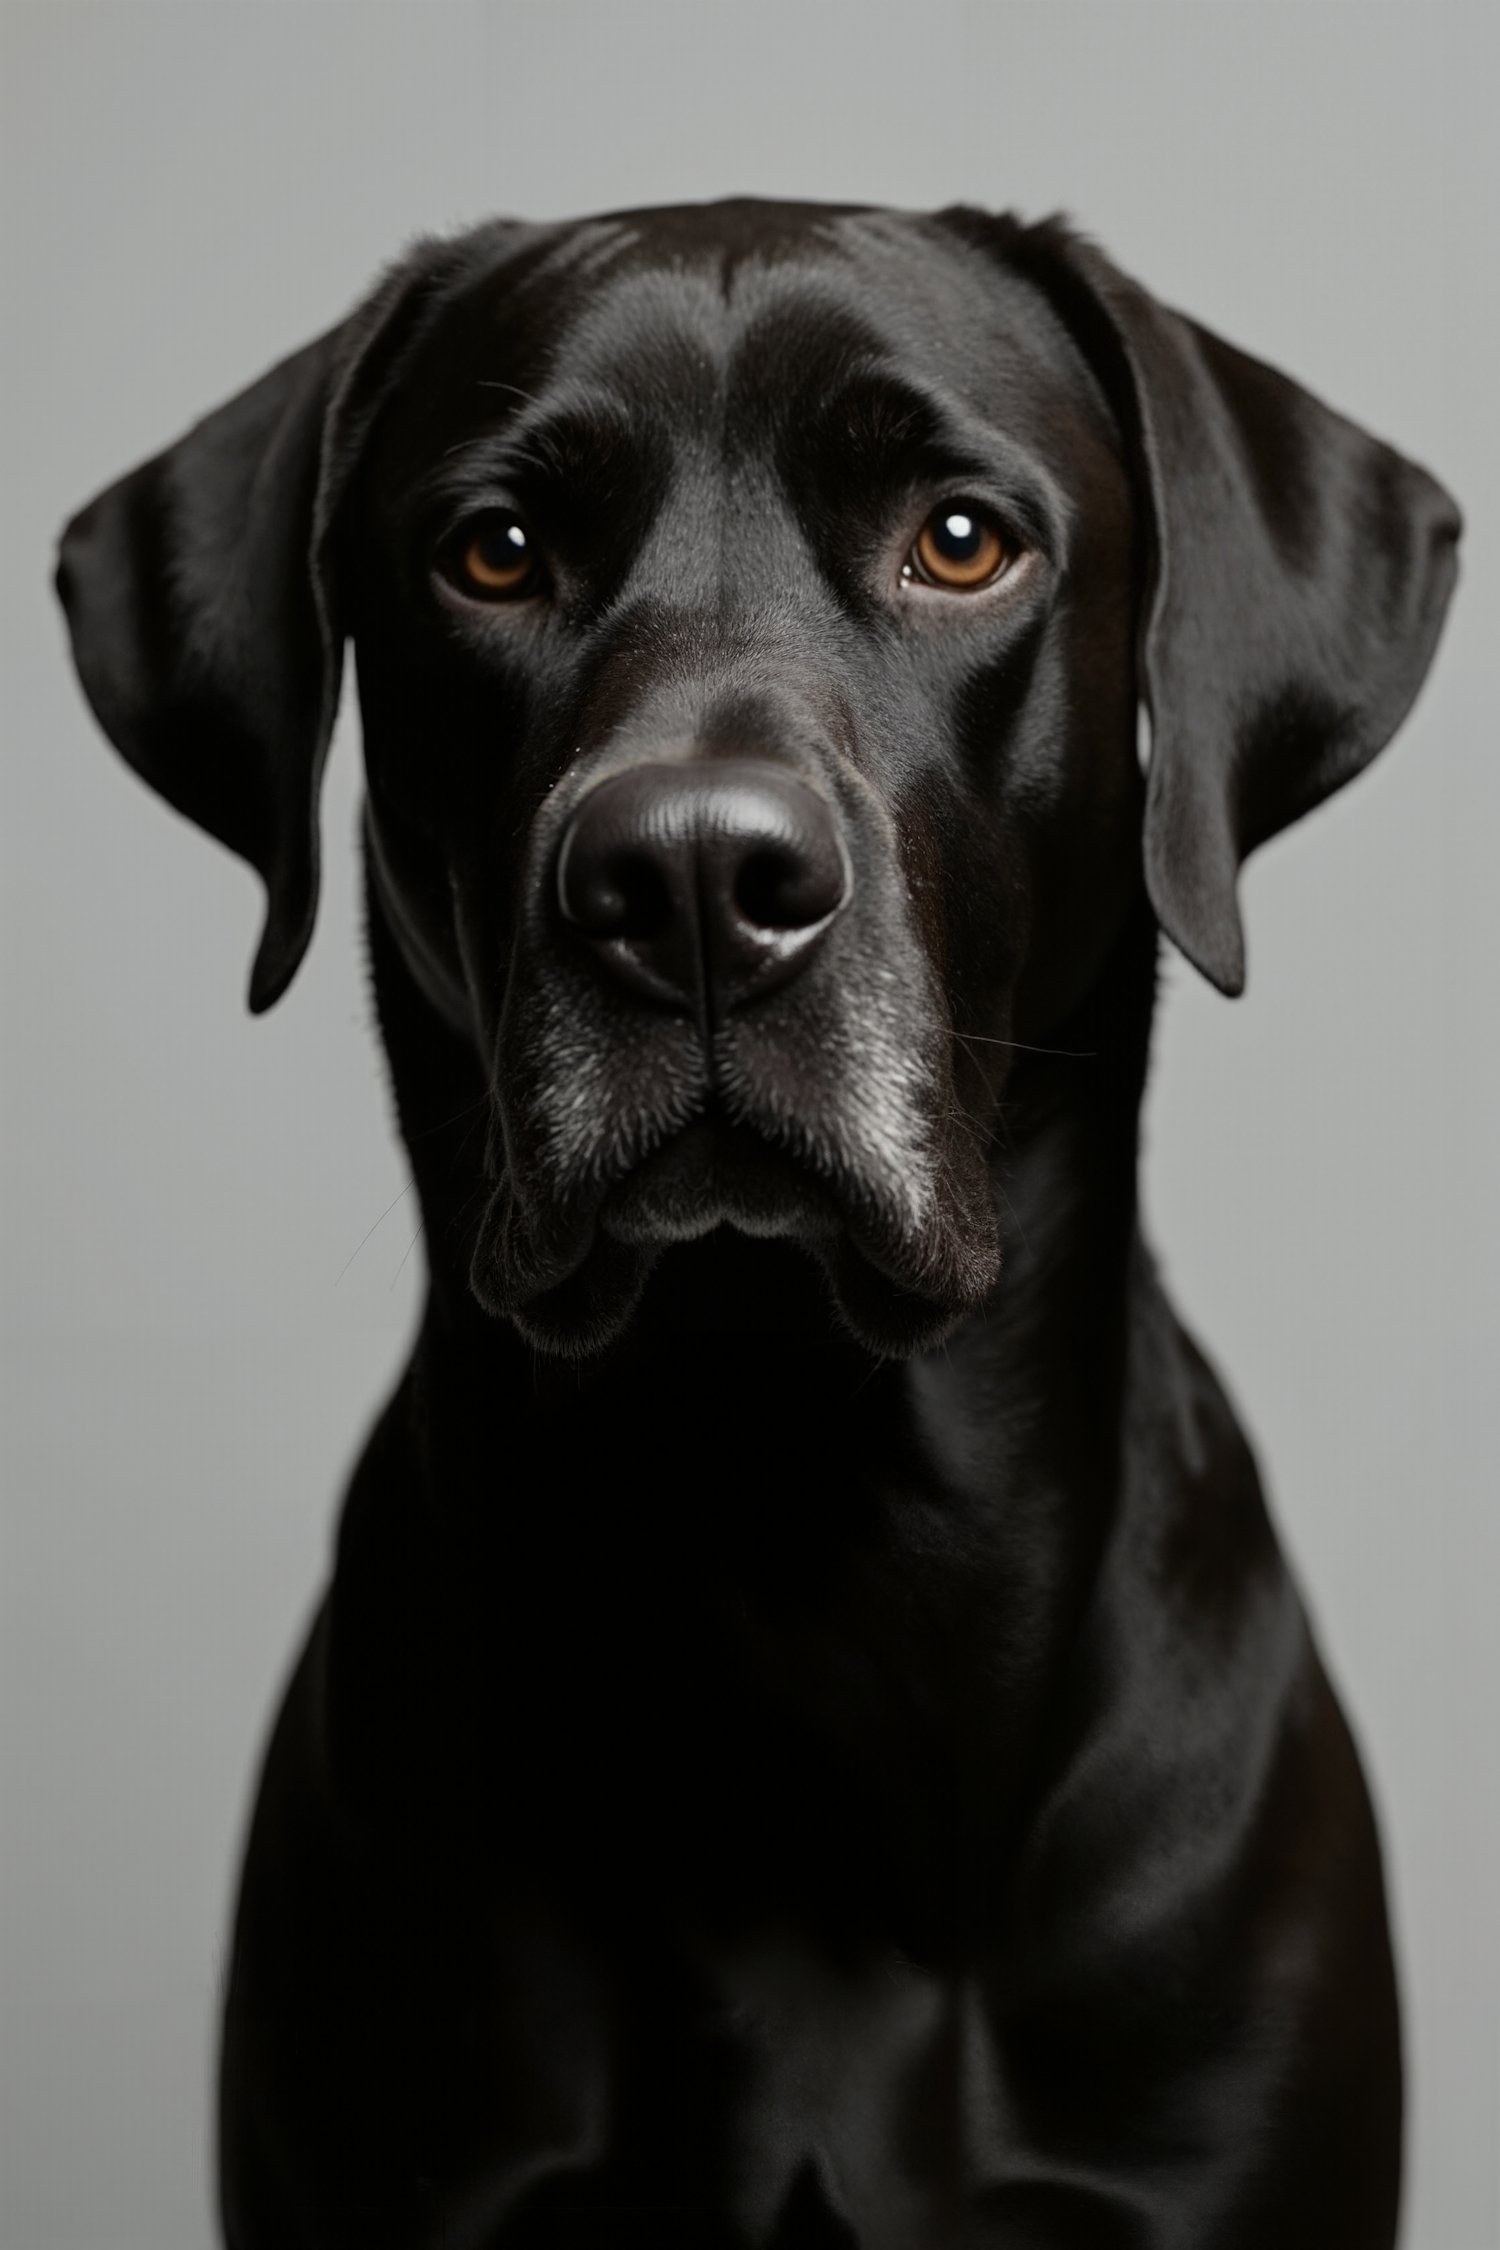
column 717, row 1012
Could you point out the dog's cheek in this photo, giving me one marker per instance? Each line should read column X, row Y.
column 1078, row 794
column 446, row 749
column 963, row 856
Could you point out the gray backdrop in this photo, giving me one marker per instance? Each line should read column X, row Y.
column 208, row 1261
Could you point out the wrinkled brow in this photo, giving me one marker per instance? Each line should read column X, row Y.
column 583, row 448
column 880, row 430
column 879, row 420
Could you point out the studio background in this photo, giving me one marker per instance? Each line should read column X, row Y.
column 208, row 1258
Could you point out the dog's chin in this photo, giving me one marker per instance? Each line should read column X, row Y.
column 708, row 1176
column 712, row 1175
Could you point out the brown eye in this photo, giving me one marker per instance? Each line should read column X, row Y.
column 957, row 548
column 495, row 559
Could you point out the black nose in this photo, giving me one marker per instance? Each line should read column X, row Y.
column 703, row 885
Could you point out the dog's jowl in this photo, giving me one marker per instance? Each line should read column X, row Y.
column 810, row 1740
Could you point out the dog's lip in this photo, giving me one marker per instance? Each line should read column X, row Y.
column 716, row 1172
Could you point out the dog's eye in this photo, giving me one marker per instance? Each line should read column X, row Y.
column 494, row 559
column 957, row 548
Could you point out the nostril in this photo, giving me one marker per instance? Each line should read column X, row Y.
column 760, row 889
column 625, row 896
column 779, row 891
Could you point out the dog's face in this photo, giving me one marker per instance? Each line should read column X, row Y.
column 751, row 607
column 744, row 640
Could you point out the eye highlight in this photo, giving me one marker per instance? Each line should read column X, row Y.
column 493, row 558
column 958, row 548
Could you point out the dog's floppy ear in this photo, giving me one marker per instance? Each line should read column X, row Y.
column 1297, row 575
column 204, row 619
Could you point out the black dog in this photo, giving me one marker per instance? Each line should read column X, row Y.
column 811, row 1740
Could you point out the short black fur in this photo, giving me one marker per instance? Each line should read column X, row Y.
column 810, row 1739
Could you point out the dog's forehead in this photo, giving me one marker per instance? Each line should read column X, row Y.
column 667, row 309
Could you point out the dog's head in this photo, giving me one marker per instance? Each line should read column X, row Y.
column 752, row 606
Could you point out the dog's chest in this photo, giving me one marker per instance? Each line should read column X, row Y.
column 875, row 2095
column 780, row 2096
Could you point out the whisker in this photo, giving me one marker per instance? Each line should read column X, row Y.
column 876, row 1366
column 428, row 1132
column 364, row 1238
column 1023, row 1047
column 396, row 1276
